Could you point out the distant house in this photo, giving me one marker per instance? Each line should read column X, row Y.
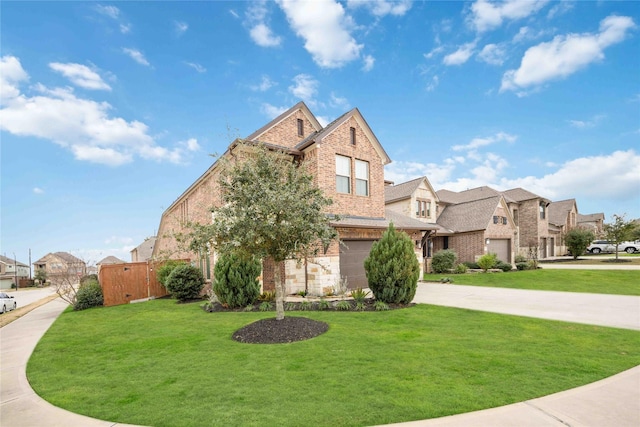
column 13, row 272
column 593, row 222
column 144, row 250
column 563, row 216
column 60, row 266
column 531, row 216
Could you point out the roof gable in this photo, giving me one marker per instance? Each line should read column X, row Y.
column 470, row 216
column 404, row 190
column 300, row 106
column 558, row 211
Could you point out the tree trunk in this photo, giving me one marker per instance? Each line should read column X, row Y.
column 280, row 290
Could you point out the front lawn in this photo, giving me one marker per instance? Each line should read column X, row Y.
column 165, row 364
column 616, row 282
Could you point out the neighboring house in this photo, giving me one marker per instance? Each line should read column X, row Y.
column 110, row 260
column 563, row 216
column 13, row 272
column 347, row 163
column 593, row 222
column 144, row 250
column 61, row 266
column 531, row 216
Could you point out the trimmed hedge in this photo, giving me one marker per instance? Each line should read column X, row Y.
column 185, row 282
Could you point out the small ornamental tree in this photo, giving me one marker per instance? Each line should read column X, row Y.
column 443, row 261
column 185, row 282
column 392, row 268
column 236, row 280
column 618, row 231
column 487, row 261
column 577, row 240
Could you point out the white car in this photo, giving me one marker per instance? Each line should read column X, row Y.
column 7, row 303
column 599, row 246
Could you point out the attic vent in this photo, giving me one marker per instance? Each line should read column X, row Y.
column 300, row 127
column 352, row 132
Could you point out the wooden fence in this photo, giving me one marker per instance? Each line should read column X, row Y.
column 130, row 282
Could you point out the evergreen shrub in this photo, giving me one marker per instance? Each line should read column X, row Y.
column 392, row 268
column 89, row 295
column 185, row 282
column 163, row 272
column 504, row 266
column 236, row 280
column 443, row 261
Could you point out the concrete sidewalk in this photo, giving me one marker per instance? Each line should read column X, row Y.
column 613, row 401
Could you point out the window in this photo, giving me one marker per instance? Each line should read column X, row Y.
column 428, row 209
column 495, row 219
column 423, row 208
column 362, row 177
column 343, row 174
column 504, row 220
column 352, row 132
column 300, row 127
column 418, row 203
column 542, row 213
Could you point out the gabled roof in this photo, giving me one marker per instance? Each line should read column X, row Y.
column 404, row 190
column 472, row 194
column 111, row 260
column 145, row 249
column 590, row 217
column 520, row 195
column 299, row 106
column 65, row 256
column 327, row 130
column 558, row 211
column 469, row 216
column 9, row 261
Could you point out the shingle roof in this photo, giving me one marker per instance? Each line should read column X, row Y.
column 111, row 260
column 65, row 256
column 472, row 194
column 145, row 249
column 590, row 217
column 393, row 193
column 10, row 261
column 558, row 211
column 399, row 221
column 469, row 216
column 520, row 195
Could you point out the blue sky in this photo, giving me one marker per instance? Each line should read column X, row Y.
column 109, row 111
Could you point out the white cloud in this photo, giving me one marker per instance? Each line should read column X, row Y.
column 259, row 31
column 199, row 68
column 265, row 84
column 486, row 15
column 38, row 190
column 190, row 144
column 234, row 13
column 482, row 142
column 137, row 56
column 565, row 55
column 382, row 8
column 585, row 124
column 272, row 111
column 180, row 27
column 461, row 55
column 560, row 8
column 433, row 84
column 492, row 54
column 83, row 126
column 110, row 11
column 368, row 63
column 80, row 75
column 324, row 26
column 125, row 28
column 338, row 102
column 435, row 51
column 305, row 87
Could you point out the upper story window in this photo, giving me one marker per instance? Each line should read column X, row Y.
column 423, row 209
column 428, row 209
column 352, row 133
column 343, row 174
column 362, row 177
column 300, row 127
column 542, row 210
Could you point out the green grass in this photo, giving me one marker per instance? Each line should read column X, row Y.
column 163, row 364
column 616, row 282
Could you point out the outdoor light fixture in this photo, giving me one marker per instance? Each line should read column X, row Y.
column 487, row 241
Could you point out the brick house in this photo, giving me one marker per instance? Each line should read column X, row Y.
column 60, row 265
column 346, row 161
column 563, row 216
column 593, row 222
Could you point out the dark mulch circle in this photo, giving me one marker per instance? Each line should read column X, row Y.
column 272, row 331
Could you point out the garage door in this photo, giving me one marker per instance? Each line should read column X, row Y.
column 501, row 247
column 352, row 256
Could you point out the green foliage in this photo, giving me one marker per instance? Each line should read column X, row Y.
column 472, row 265
column 306, row 306
column 460, row 269
column 266, row 306
column 392, row 268
column 343, row 305
column 323, row 304
column 163, row 272
column 88, row 278
column 268, row 296
column 380, row 306
column 359, row 306
column 89, row 295
column 185, row 282
column 443, row 261
column 290, row 306
column 236, row 279
column 41, row 275
column 359, row 295
column 446, row 280
column 504, row 266
column 520, row 258
column 619, row 230
column 577, row 240
column 249, row 308
column 522, row 266
column 301, row 293
column 487, row 261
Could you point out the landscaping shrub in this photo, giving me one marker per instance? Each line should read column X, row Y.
column 185, row 282
column 520, row 258
column 504, row 266
column 443, row 261
column 487, row 261
column 472, row 265
column 88, row 278
column 163, row 272
column 89, row 295
column 522, row 266
column 460, row 269
column 577, row 240
column 392, row 268
column 236, row 280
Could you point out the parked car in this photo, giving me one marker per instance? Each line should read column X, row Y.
column 601, row 246
column 7, row 303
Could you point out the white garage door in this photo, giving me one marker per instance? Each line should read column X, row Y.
column 502, row 247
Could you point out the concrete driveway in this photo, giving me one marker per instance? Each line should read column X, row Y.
column 618, row 311
column 27, row 296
